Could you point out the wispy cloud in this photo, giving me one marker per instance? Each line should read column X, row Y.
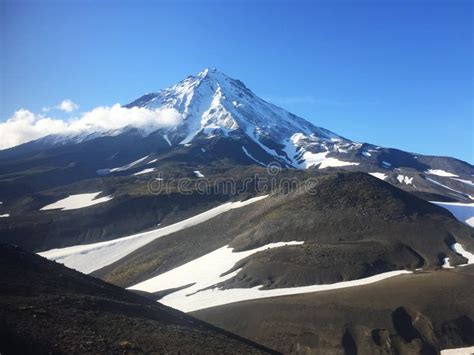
column 66, row 106
column 25, row 125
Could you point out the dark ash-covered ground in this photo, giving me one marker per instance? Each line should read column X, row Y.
column 47, row 308
column 421, row 313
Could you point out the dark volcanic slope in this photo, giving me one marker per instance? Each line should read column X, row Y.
column 134, row 207
column 411, row 314
column 47, row 308
column 353, row 226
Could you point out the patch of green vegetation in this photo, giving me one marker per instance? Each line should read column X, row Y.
column 125, row 273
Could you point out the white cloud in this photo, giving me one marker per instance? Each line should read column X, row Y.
column 25, row 126
column 66, row 105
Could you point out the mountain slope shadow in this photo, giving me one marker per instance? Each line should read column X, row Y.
column 48, row 308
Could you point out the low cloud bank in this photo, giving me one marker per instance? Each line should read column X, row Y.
column 25, row 126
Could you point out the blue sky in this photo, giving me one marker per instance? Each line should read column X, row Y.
column 393, row 73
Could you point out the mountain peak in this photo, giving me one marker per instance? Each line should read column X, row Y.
column 212, row 74
column 212, row 103
column 207, row 71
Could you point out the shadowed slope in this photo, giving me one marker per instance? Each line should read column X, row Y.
column 45, row 307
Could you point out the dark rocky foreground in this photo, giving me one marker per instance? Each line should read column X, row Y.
column 421, row 313
column 48, row 308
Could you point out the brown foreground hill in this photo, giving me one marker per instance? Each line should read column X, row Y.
column 48, row 308
column 419, row 313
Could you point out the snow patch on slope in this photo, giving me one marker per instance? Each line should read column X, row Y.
column 90, row 257
column 446, row 264
column 129, row 166
column 74, row 202
column 296, row 149
column 165, row 136
column 380, row 176
column 207, row 271
column 467, row 182
column 461, row 251
column 333, row 162
column 405, row 179
column 202, row 272
column 458, row 351
column 440, row 172
column 145, row 171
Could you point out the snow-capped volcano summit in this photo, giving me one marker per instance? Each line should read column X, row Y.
column 211, row 103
